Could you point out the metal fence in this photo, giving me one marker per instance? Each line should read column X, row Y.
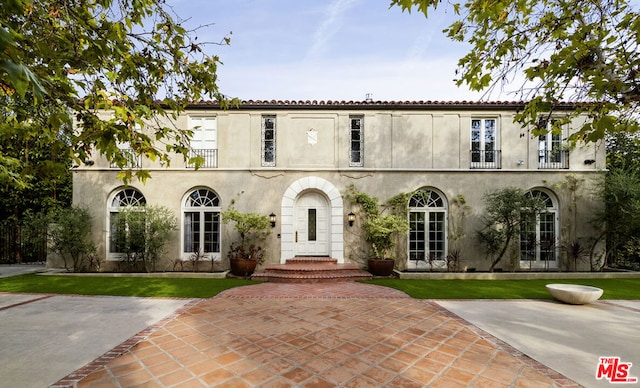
column 22, row 244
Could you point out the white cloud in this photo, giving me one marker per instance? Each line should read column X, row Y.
column 330, row 50
column 334, row 17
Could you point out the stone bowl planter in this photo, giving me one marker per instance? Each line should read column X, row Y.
column 574, row 293
column 380, row 267
column 242, row 267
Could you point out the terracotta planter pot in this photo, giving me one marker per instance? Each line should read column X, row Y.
column 380, row 267
column 242, row 267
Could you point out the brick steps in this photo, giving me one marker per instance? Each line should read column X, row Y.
column 311, row 270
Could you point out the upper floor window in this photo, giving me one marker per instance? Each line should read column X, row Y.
column 484, row 143
column 356, row 137
column 268, row 141
column 552, row 151
column 201, row 223
column 204, row 142
column 131, row 159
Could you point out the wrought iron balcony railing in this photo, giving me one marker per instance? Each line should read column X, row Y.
column 486, row 159
column 210, row 157
column 134, row 161
column 553, row 159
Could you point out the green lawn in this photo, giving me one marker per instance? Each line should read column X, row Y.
column 505, row 289
column 120, row 286
column 206, row 288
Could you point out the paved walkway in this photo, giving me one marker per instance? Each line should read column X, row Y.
column 46, row 337
column 7, row 270
column 348, row 335
column 569, row 339
column 322, row 335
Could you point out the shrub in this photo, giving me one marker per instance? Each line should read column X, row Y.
column 505, row 211
column 70, row 237
column 141, row 233
column 381, row 230
column 253, row 229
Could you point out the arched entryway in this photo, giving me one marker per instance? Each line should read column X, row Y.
column 312, row 220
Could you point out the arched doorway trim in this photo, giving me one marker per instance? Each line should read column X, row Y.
column 287, row 211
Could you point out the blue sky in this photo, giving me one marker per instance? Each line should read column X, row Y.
column 328, row 50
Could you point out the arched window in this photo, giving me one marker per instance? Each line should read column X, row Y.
column 118, row 230
column 427, row 230
column 539, row 234
column 201, row 223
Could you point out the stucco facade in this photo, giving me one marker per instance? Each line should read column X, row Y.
column 296, row 160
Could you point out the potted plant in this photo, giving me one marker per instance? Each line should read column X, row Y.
column 381, row 231
column 252, row 228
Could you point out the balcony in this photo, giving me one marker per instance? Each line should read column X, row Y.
column 210, row 157
column 133, row 160
column 486, row 159
column 553, row 159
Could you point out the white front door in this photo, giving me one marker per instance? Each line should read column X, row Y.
column 312, row 223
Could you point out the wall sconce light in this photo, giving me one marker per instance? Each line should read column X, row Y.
column 589, row 161
column 272, row 218
column 351, row 218
column 520, row 162
column 89, row 163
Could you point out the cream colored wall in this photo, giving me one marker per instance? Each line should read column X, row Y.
column 263, row 192
column 404, row 151
column 410, row 140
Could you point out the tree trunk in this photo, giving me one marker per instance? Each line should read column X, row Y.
column 502, row 252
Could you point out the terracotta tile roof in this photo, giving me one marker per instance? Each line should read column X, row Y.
column 370, row 104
